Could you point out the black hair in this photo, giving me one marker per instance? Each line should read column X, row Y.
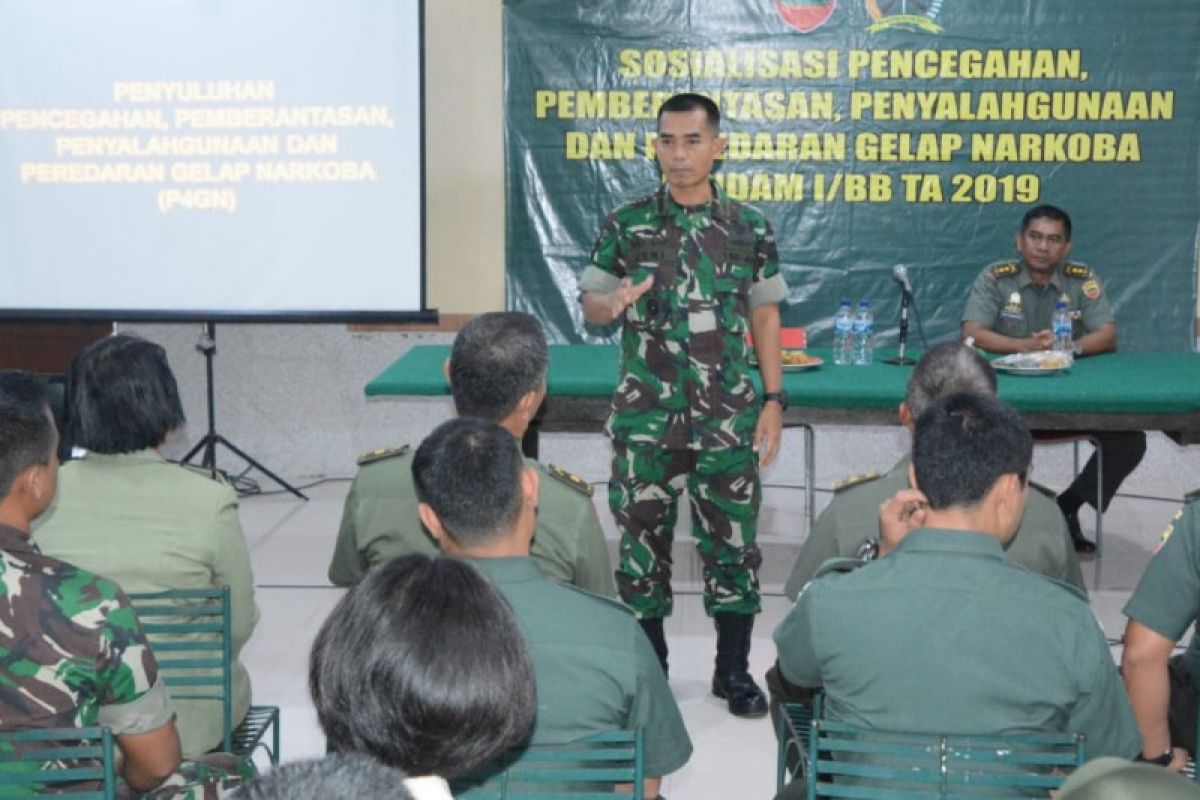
column 121, row 396
column 422, row 666
column 963, row 444
column 947, row 368
column 26, row 430
column 689, row 101
column 334, row 777
column 497, row 359
column 469, row 472
column 1047, row 212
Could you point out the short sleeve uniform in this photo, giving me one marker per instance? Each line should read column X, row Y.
column 1005, row 299
column 379, row 521
column 595, row 668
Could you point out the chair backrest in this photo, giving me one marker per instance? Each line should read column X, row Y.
column 586, row 769
column 37, row 760
column 853, row 762
column 189, row 632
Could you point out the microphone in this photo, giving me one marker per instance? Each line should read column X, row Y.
column 900, row 276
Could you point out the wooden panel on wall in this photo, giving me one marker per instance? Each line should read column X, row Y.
column 46, row 347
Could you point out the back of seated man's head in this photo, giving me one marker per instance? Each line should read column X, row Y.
column 335, row 777
column 27, row 434
column 945, row 369
column 468, row 471
column 497, row 359
column 963, row 444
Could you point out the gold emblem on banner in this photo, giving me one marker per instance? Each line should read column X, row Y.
column 913, row 15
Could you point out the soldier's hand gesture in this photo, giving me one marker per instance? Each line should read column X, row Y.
column 626, row 294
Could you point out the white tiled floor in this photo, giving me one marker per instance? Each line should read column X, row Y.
column 291, row 542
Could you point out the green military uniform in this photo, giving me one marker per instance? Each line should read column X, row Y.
column 380, row 521
column 1042, row 543
column 152, row 526
column 1118, row 779
column 944, row 636
column 1005, row 299
column 75, row 655
column 1167, row 601
column 685, row 408
column 595, row 669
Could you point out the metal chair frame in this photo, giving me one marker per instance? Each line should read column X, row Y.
column 59, row 756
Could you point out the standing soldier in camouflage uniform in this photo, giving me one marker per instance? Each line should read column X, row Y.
column 690, row 272
column 1009, row 311
column 74, row 654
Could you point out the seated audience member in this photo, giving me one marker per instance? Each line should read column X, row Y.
column 497, row 371
column 1166, row 602
column 849, row 525
column 1117, row 779
column 76, row 655
column 126, row 513
column 941, row 634
column 596, row 670
column 421, row 666
column 335, row 777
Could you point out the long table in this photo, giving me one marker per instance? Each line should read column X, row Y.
column 1115, row 391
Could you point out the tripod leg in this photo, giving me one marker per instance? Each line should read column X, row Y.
column 222, row 440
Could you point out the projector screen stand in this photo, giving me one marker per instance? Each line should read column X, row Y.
column 208, row 443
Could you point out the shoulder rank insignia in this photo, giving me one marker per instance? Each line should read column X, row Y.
column 855, row 480
column 570, row 479
column 1005, row 269
column 1077, row 271
column 381, row 454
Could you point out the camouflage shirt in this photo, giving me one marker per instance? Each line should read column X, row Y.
column 72, row 652
column 1005, row 299
column 684, row 377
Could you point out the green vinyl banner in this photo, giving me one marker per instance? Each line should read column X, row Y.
column 872, row 133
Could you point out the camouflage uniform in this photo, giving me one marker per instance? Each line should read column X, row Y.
column 73, row 654
column 379, row 521
column 1005, row 299
column 685, row 409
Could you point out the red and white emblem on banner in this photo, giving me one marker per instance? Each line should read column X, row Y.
column 805, row 15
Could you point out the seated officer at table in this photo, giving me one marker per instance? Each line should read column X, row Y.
column 595, row 668
column 1162, row 687
column 1009, row 311
column 942, row 634
column 497, row 371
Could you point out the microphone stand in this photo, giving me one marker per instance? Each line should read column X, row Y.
column 901, row 359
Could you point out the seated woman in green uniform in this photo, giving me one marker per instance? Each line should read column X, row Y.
column 124, row 512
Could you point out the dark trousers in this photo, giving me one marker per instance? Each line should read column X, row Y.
column 1122, row 452
column 1182, row 713
column 780, row 692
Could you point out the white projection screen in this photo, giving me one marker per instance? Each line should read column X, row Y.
column 211, row 160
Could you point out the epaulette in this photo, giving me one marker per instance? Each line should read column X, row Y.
column 381, row 454
column 1077, row 271
column 838, row 565
column 1005, row 269
column 570, row 479
column 855, row 480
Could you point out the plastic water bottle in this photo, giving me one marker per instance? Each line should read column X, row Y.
column 843, row 328
column 1060, row 326
column 863, row 335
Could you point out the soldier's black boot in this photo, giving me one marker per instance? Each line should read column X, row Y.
column 658, row 640
column 732, row 681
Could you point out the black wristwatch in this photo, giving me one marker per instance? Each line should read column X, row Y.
column 778, row 397
column 1163, row 761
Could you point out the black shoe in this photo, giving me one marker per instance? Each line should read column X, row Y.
column 731, row 680
column 1082, row 545
column 658, row 640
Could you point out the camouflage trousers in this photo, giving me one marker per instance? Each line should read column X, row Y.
column 724, row 494
column 213, row 776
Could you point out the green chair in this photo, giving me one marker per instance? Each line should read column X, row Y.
column 189, row 631
column 43, row 761
column 586, row 769
column 795, row 724
column 853, row 762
